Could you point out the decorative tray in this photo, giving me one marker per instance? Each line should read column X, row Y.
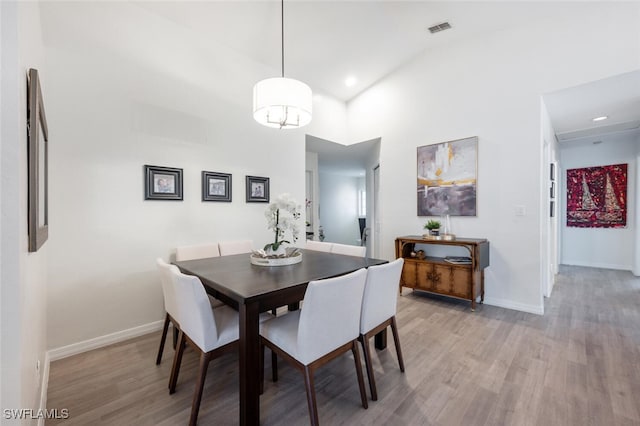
column 276, row 261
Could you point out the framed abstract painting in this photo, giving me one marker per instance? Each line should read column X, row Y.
column 447, row 178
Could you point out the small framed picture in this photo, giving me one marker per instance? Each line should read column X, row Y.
column 552, row 208
column 162, row 183
column 216, row 186
column 257, row 190
column 552, row 190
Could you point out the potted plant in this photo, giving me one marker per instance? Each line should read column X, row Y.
column 434, row 227
column 281, row 217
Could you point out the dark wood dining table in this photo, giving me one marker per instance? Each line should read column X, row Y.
column 255, row 289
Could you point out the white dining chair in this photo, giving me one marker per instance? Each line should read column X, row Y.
column 200, row 251
column 228, row 248
column 212, row 333
column 359, row 251
column 379, row 311
column 170, row 307
column 310, row 337
column 318, row 246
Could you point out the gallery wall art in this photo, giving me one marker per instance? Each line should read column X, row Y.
column 447, row 178
column 597, row 197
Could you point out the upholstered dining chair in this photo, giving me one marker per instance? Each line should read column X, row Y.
column 199, row 251
column 228, row 248
column 318, row 246
column 310, row 337
column 212, row 333
column 379, row 311
column 170, row 307
column 359, row 251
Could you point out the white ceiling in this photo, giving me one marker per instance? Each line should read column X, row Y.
column 327, row 41
column 339, row 159
column 572, row 110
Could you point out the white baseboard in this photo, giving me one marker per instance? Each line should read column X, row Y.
column 597, row 265
column 44, row 387
column 508, row 304
column 98, row 342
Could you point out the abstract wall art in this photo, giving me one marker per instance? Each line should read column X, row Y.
column 447, row 178
column 597, row 197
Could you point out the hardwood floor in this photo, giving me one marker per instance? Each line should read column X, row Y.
column 579, row 364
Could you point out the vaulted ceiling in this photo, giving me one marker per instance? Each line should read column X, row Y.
column 328, row 41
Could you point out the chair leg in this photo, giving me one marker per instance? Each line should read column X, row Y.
column 175, row 336
column 311, row 395
column 261, row 367
column 356, row 357
column 364, row 339
column 396, row 340
column 165, row 328
column 177, row 360
column 197, row 396
column 274, row 366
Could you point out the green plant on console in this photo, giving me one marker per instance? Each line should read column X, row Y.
column 432, row 224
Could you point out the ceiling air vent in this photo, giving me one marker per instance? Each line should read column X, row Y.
column 440, row 27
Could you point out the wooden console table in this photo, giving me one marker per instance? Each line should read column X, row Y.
column 435, row 275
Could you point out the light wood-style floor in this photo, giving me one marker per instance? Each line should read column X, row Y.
column 579, row 364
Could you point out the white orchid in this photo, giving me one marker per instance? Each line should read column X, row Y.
column 281, row 216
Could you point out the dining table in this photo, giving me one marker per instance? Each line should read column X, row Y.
column 253, row 289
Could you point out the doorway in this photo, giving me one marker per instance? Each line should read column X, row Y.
column 345, row 197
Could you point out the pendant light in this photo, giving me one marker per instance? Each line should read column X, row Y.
column 281, row 102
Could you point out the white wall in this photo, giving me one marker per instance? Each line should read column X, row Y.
column 548, row 225
column 339, row 208
column 164, row 99
column 23, row 291
column 636, row 259
column 490, row 87
column 600, row 247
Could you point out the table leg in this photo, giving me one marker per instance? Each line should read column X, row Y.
column 380, row 340
column 249, row 356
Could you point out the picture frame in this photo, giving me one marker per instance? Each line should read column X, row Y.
column 552, row 190
column 447, row 178
column 257, row 189
column 38, row 164
column 216, row 186
column 162, row 183
column 552, row 208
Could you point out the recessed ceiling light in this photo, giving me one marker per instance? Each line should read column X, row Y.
column 602, row 117
column 350, row 81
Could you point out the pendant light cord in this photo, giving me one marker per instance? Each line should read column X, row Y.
column 282, row 27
